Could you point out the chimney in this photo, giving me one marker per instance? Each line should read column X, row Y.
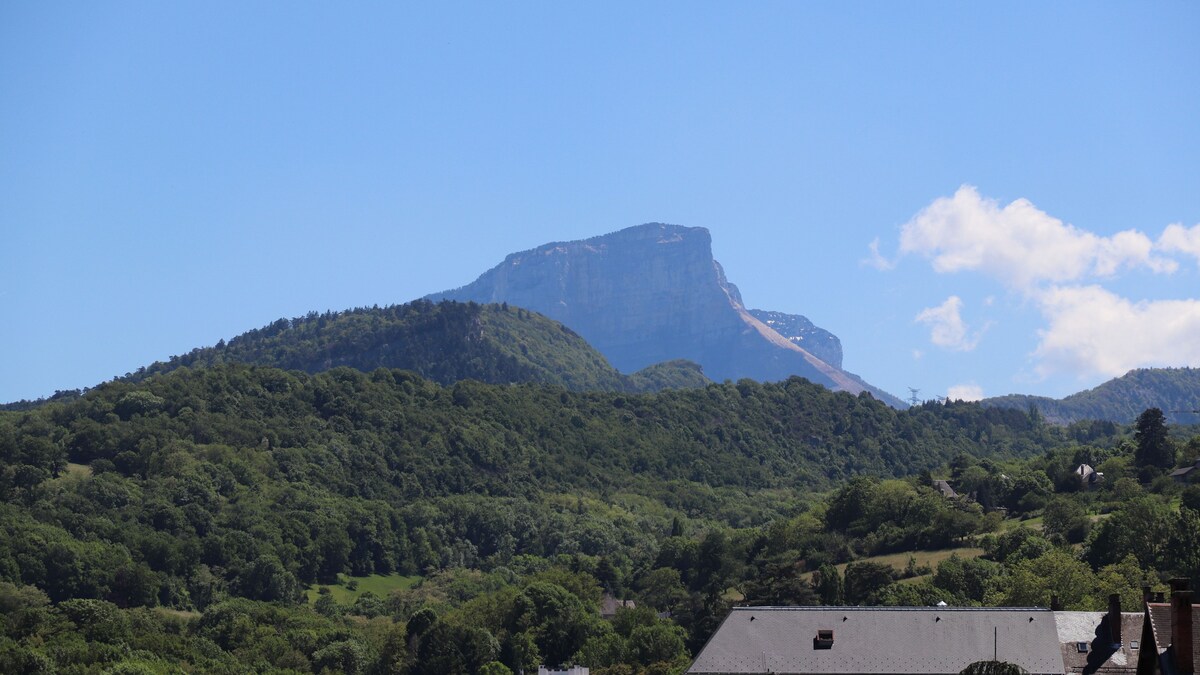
column 1158, row 597
column 1055, row 604
column 1147, row 596
column 1114, row 619
column 1181, row 626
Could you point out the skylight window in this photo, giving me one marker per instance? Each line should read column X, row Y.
column 823, row 639
column 1082, row 647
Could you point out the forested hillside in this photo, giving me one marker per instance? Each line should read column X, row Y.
column 1176, row 391
column 217, row 495
column 444, row 342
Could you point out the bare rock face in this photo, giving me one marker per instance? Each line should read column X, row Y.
column 649, row 294
column 804, row 334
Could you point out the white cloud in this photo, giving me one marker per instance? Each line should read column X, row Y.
column 1094, row 331
column 1019, row 244
column 876, row 259
column 1178, row 239
column 917, row 354
column 1088, row 330
column 965, row 392
column 947, row 328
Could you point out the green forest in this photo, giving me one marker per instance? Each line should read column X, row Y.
column 1172, row 390
column 209, row 515
column 444, row 342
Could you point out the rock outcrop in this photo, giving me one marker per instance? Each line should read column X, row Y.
column 804, row 334
column 653, row 293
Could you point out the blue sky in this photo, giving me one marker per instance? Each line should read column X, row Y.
column 978, row 198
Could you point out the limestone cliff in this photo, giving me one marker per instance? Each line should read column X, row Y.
column 817, row 341
column 648, row 294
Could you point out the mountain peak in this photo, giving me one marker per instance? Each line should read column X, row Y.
column 648, row 294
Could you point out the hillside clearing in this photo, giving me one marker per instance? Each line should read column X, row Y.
column 379, row 584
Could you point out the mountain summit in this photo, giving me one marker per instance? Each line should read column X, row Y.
column 654, row 293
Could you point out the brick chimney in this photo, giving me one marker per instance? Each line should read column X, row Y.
column 1055, row 604
column 1114, row 619
column 1181, row 626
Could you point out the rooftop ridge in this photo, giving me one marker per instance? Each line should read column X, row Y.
column 835, row 608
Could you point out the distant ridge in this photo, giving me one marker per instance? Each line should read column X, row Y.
column 1119, row 400
column 654, row 293
column 444, row 342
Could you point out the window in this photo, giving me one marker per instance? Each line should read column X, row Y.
column 1082, row 647
column 1133, row 644
column 823, row 639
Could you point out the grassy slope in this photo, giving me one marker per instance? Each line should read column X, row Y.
column 379, row 584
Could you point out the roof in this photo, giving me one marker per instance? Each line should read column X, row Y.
column 944, row 488
column 1160, row 624
column 1087, row 474
column 880, row 640
column 1091, row 628
column 1184, row 471
column 609, row 605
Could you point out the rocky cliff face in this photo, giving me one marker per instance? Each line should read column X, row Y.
column 648, row 294
column 804, row 334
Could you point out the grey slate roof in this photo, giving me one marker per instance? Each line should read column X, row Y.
column 944, row 488
column 880, row 640
column 1092, row 629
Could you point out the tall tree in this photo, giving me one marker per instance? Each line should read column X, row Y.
column 828, row 585
column 1154, row 447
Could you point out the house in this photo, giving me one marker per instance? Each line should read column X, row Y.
column 944, row 488
column 609, row 606
column 1100, row 642
column 1088, row 477
column 1171, row 635
column 879, row 640
column 1187, row 473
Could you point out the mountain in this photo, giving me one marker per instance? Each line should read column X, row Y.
column 654, row 293
column 801, row 332
column 1121, row 399
column 444, row 342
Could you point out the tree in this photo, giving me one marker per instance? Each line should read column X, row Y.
column 923, row 594
column 602, row 651
column 1191, row 498
column 780, row 583
column 1140, row 529
column 1154, row 448
column 828, row 585
column 1030, row 583
column 850, row 503
column 864, row 578
column 965, row 578
column 346, row 656
column 662, row 589
column 993, row 668
column 660, row 642
column 1064, row 517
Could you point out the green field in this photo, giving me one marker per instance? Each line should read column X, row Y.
column 899, row 561
column 378, row 584
column 79, row 469
column 177, row 613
